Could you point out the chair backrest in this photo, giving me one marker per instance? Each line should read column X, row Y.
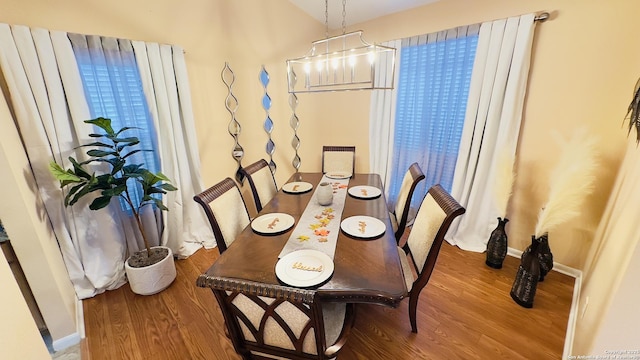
column 411, row 179
column 262, row 183
column 226, row 211
column 339, row 159
column 277, row 321
column 437, row 211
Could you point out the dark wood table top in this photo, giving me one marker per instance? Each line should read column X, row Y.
column 365, row 270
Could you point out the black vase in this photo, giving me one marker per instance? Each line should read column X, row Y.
column 526, row 282
column 497, row 245
column 545, row 257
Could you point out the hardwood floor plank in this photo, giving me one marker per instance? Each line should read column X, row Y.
column 123, row 329
column 465, row 312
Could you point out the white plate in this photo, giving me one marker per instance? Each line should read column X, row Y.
column 304, row 268
column 297, row 187
column 338, row 175
column 364, row 192
column 363, row 226
column 273, row 223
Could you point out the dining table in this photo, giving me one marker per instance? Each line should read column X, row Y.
column 365, row 270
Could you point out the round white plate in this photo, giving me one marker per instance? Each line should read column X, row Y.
column 304, row 268
column 363, row 226
column 297, row 187
column 273, row 223
column 338, row 175
column 364, row 192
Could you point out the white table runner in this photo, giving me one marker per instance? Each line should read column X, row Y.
column 319, row 226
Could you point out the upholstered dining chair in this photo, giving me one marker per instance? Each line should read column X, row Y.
column 338, row 159
column 400, row 214
column 271, row 321
column 437, row 211
column 226, row 210
column 262, row 183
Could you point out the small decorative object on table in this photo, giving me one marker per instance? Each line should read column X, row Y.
column 324, row 194
column 571, row 181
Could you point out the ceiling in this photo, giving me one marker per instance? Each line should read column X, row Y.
column 357, row 11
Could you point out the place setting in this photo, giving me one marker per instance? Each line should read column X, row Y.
column 297, row 187
column 363, row 227
column 304, row 268
column 364, row 192
column 338, row 175
column 272, row 224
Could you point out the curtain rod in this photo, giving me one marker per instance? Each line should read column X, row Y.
column 542, row 17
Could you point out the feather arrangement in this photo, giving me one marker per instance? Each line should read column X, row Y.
column 570, row 182
column 505, row 177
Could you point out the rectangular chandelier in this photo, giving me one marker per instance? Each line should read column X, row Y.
column 342, row 62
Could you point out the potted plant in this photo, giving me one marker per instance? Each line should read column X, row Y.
column 149, row 270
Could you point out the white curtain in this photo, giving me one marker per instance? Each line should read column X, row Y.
column 381, row 120
column 164, row 78
column 492, row 124
column 104, row 61
column 47, row 99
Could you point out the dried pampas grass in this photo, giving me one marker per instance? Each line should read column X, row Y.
column 570, row 182
column 505, row 177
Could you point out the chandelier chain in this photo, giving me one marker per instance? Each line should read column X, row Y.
column 344, row 16
column 326, row 18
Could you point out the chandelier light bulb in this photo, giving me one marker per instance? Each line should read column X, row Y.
column 371, row 57
column 352, row 60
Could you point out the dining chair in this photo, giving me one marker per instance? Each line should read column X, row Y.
column 271, row 321
column 339, row 159
column 262, row 183
column 226, row 210
column 437, row 211
column 400, row 214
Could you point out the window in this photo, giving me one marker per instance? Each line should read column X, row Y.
column 432, row 93
column 114, row 90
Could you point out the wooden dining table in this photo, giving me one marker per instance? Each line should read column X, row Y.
column 365, row 270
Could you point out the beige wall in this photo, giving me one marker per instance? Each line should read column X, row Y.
column 608, row 310
column 19, row 336
column 21, row 211
column 583, row 72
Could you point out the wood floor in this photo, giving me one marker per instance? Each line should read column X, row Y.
column 465, row 312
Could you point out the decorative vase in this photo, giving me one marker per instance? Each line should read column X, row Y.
column 545, row 257
column 324, row 194
column 497, row 245
column 526, row 282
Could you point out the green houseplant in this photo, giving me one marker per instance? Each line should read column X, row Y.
column 115, row 149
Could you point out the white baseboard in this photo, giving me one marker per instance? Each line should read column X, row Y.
column 65, row 342
column 573, row 312
column 73, row 339
column 80, row 318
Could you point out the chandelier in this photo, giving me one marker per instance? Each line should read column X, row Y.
column 342, row 62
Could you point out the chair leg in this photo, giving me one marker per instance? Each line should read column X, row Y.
column 413, row 306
